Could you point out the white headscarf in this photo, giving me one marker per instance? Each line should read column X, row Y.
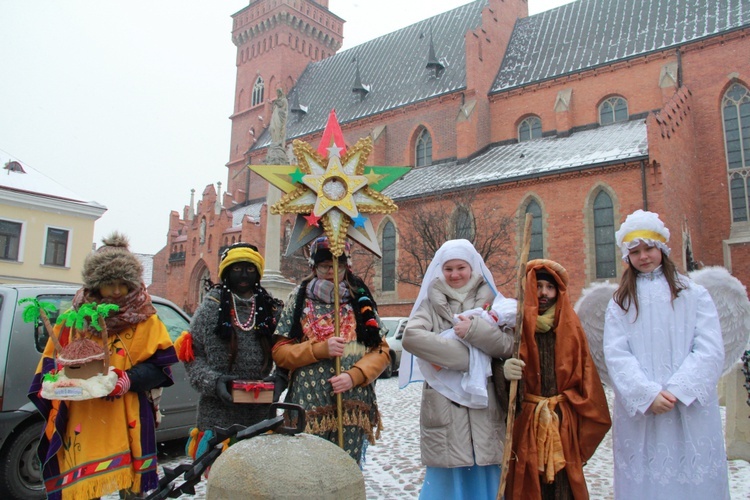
column 450, row 250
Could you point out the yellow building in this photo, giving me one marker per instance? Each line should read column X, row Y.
column 46, row 230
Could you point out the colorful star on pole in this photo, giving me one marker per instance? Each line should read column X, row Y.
column 332, row 185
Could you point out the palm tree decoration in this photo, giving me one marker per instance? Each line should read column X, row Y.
column 36, row 310
column 93, row 315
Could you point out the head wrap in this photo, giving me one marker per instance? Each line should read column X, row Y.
column 243, row 253
column 320, row 251
column 642, row 227
column 111, row 262
column 451, row 250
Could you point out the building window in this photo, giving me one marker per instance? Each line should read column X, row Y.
column 10, row 239
column 604, row 236
column 258, row 92
column 613, row 110
column 424, row 149
column 463, row 223
column 57, row 247
column 388, row 263
column 536, row 250
column 736, row 115
column 530, row 128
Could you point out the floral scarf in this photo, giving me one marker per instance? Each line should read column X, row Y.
column 135, row 307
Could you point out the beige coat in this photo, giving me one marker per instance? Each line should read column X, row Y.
column 452, row 435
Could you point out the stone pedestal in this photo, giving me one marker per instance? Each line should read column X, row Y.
column 273, row 281
column 275, row 466
column 737, row 414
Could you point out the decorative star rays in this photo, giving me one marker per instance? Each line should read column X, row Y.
column 333, row 191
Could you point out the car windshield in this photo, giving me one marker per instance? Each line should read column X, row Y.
column 392, row 325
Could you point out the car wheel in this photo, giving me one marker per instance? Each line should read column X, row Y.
column 20, row 470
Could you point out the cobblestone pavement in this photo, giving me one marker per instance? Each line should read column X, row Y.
column 393, row 469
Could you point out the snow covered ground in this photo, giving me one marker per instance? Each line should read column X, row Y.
column 393, row 469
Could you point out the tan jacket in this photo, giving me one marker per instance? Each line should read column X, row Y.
column 453, row 435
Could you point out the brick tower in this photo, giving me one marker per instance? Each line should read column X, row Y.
column 275, row 40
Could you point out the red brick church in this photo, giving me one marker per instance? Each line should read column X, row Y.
column 578, row 115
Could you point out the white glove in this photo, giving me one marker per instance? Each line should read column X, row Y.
column 513, row 369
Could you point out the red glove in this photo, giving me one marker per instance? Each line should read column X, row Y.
column 123, row 384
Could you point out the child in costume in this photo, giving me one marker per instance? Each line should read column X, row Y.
column 564, row 414
column 664, row 353
column 461, row 446
column 230, row 338
column 308, row 347
column 93, row 447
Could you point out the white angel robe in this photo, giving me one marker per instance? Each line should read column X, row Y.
column 674, row 346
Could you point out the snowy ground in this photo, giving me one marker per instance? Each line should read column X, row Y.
column 393, row 469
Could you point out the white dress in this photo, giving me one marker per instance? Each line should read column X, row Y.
column 674, row 346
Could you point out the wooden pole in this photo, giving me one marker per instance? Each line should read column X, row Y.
column 337, row 333
column 520, row 292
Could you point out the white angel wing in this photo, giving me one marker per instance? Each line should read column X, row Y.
column 730, row 297
column 590, row 309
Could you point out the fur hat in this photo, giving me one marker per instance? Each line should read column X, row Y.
column 320, row 251
column 642, row 227
column 110, row 262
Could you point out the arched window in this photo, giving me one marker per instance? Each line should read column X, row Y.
column 613, row 110
column 258, row 92
column 463, row 223
column 736, row 115
column 388, row 263
column 536, row 250
column 604, row 236
column 423, row 149
column 530, row 128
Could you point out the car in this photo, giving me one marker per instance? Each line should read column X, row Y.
column 396, row 326
column 21, row 345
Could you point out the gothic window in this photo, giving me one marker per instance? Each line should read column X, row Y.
column 736, row 115
column 463, row 223
column 613, row 110
column 536, row 250
column 530, row 128
column 604, row 236
column 423, row 149
column 388, row 263
column 258, row 91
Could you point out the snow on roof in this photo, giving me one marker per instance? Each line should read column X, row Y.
column 29, row 180
column 538, row 158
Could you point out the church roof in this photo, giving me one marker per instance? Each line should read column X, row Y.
column 393, row 68
column 618, row 142
column 590, row 33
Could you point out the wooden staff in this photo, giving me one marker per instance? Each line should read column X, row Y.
column 337, row 333
column 520, row 292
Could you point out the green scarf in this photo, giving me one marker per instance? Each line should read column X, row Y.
column 546, row 320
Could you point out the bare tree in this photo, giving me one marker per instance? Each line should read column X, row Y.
column 431, row 224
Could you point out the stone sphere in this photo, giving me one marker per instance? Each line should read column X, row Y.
column 275, row 466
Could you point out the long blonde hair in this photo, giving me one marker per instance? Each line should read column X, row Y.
column 627, row 293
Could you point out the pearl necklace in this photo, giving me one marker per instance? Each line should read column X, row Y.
column 250, row 323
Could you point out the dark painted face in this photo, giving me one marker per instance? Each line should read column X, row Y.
column 242, row 278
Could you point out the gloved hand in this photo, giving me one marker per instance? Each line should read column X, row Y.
column 513, row 369
column 222, row 389
column 122, row 385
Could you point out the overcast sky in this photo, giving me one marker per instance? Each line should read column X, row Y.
column 127, row 102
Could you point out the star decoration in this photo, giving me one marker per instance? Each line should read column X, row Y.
column 312, row 219
column 332, row 191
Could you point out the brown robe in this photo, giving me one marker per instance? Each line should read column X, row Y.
column 584, row 415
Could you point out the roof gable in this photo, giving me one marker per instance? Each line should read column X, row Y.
column 590, row 33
